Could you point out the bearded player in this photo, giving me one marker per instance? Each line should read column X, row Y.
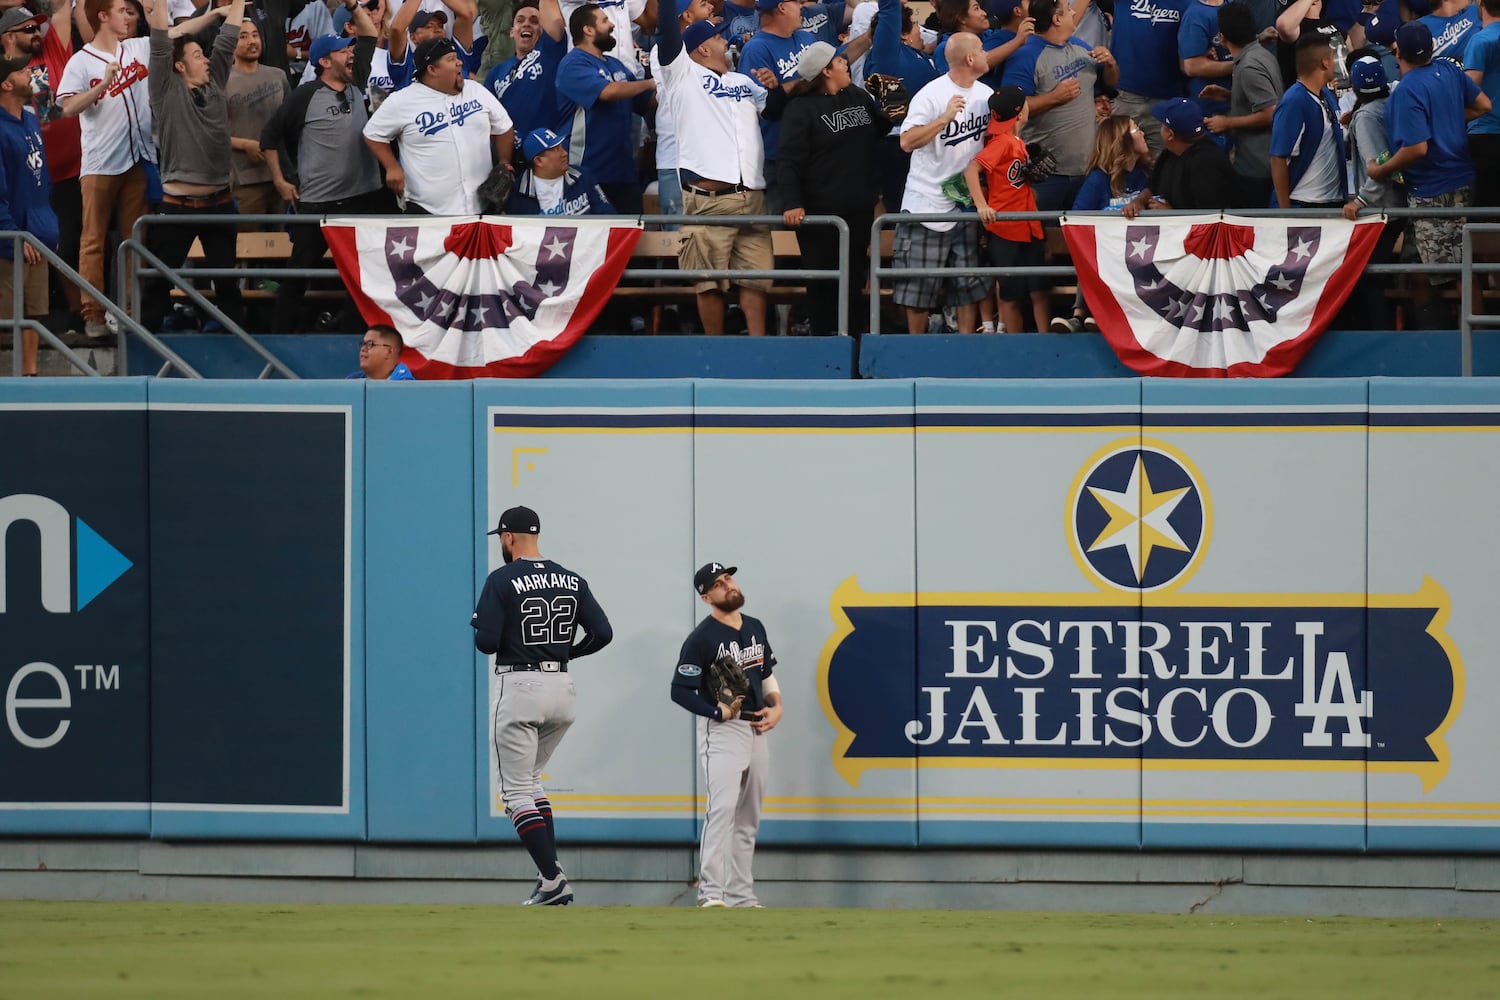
column 731, row 737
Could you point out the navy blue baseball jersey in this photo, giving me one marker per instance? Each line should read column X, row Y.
column 530, row 610
column 751, row 649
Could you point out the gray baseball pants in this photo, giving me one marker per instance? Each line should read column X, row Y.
column 736, row 762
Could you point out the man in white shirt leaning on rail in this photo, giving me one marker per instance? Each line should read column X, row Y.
column 450, row 130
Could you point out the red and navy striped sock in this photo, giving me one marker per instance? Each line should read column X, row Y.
column 532, row 830
column 544, row 807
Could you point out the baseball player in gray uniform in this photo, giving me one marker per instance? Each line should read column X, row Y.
column 732, row 745
column 534, row 616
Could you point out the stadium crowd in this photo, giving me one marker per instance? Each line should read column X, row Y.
column 112, row 109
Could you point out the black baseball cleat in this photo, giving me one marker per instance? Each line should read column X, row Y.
column 555, row 893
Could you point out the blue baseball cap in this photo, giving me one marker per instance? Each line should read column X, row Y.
column 1414, row 42
column 326, row 45
column 682, row 6
column 539, row 140
column 699, row 32
column 766, row 6
column 1181, row 115
column 1380, row 27
column 1367, row 78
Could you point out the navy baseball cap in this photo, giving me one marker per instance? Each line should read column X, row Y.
column 423, row 16
column 539, row 140
column 1181, row 115
column 766, row 6
column 325, row 46
column 1367, row 78
column 699, row 32
column 708, row 575
column 1380, row 28
column 1414, row 42
column 518, row 521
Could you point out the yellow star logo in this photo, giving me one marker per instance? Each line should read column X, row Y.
column 1138, row 519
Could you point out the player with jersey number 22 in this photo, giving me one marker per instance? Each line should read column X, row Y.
column 733, row 718
column 534, row 616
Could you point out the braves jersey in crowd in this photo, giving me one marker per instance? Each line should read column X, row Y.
column 117, row 129
column 751, row 649
column 527, row 86
column 446, row 149
column 530, row 610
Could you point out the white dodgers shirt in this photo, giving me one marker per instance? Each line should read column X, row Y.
column 718, row 122
column 446, row 149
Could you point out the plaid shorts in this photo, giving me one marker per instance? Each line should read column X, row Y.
column 916, row 246
column 1440, row 241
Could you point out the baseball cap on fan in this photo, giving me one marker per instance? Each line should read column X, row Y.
column 815, row 59
column 325, row 46
column 539, row 140
column 1181, row 115
column 428, row 53
column 699, row 32
column 1414, row 42
column 518, row 521
column 423, row 16
column 709, row 573
column 18, row 17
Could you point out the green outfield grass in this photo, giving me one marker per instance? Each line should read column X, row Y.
column 124, row 950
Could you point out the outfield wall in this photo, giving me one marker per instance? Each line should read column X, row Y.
column 1121, row 614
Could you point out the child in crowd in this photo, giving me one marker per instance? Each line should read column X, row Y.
column 1119, row 169
column 1002, row 164
column 1369, row 139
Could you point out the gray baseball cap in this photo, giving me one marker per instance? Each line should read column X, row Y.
column 19, row 17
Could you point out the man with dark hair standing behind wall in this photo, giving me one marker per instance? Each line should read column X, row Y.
column 380, row 356
column 732, row 749
column 527, row 617
column 190, row 122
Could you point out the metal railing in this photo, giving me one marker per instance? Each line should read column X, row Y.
column 1466, row 268
column 18, row 323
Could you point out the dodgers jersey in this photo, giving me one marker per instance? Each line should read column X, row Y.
column 531, row 609
column 446, row 147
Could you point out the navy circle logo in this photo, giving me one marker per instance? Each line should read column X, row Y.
column 1139, row 517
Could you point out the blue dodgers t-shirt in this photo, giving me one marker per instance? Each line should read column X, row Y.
column 1096, row 195
column 779, row 55
column 1450, row 35
column 528, row 87
column 1145, row 46
column 824, row 21
column 1199, row 35
column 743, row 23
column 1429, row 107
column 598, row 131
column 1483, row 54
column 990, row 39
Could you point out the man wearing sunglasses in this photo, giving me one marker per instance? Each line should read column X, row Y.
column 318, row 133
column 47, row 46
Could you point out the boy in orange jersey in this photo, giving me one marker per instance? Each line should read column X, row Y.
column 1011, row 244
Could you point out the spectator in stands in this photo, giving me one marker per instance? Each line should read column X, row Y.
column 548, row 186
column 105, row 85
column 896, row 50
column 826, row 21
column 1119, row 170
column 495, row 20
column 1253, row 94
column 1367, row 308
column 943, row 131
column 999, row 43
column 380, row 355
column 829, row 138
column 526, row 83
column 253, row 93
column 1307, row 141
column 668, row 184
column 1057, row 73
column 1205, row 60
column 596, row 95
column 721, row 159
column 1452, row 23
column 440, row 169
column 412, row 26
column 625, row 16
column 320, row 132
column 190, row 120
column 313, row 20
column 1482, row 63
column 777, row 46
column 47, row 45
column 1307, row 17
column 1002, row 165
column 1192, row 173
column 1145, row 38
column 1425, row 116
column 25, row 205
column 366, row 17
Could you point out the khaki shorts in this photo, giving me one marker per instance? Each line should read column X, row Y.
column 33, row 289
column 742, row 248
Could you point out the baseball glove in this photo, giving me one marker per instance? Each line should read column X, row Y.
column 1039, row 165
column 890, row 94
column 494, row 193
column 726, row 681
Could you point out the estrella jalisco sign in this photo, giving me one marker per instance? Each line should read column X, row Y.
column 1138, row 673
